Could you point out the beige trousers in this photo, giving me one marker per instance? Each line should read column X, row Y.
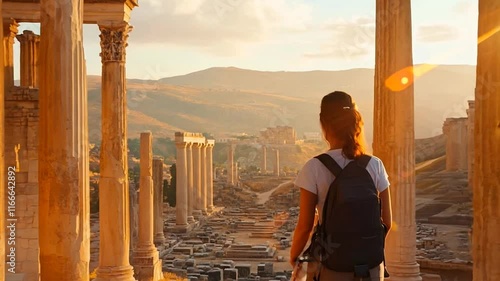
column 376, row 274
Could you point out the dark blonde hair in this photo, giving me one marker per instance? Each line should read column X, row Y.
column 341, row 120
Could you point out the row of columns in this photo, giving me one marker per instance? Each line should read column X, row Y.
column 232, row 166
column 29, row 48
column 194, row 176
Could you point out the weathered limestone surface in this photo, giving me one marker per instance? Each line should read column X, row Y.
column 159, row 237
column 470, row 143
column 181, row 181
column 10, row 29
column 455, row 130
column 114, row 263
column 230, row 164
column 191, row 192
column 2, row 164
column 204, row 188
column 486, row 200
column 277, row 163
column 197, row 183
column 21, row 125
column 63, row 148
column 147, row 266
column 210, row 175
column 393, row 140
column 29, row 58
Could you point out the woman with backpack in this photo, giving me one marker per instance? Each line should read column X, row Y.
column 350, row 192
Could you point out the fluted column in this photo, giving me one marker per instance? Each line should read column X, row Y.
column 114, row 214
column 197, row 176
column 146, row 257
column 2, row 154
column 204, row 188
column 10, row 29
column 29, row 42
column 191, row 192
column 159, row 236
column 230, row 164
column 393, row 140
column 210, row 177
column 64, row 230
column 470, row 143
column 277, row 163
column 181, row 182
column 486, row 195
column 264, row 160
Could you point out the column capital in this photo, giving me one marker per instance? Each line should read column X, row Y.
column 28, row 36
column 10, row 28
column 114, row 41
column 181, row 144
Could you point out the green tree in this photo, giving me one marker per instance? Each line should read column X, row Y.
column 94, row 197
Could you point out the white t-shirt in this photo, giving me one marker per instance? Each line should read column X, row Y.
column 316, row 178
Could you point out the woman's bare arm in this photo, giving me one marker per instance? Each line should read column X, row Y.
column 385, row 198
column 305, row 224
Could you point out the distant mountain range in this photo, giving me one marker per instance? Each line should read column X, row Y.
column 230, row 100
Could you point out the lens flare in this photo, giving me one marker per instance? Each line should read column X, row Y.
column 405, row 77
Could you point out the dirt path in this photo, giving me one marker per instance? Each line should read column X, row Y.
column 262, row 198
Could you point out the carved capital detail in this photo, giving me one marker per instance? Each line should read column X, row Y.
column 10, row 29
column 114, row 42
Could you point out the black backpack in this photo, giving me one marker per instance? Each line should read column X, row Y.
column 351, row 236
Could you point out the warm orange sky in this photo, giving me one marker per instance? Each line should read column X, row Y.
column 176, row 37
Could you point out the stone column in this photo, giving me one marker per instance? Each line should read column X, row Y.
column 264, row 159
column 134, row 216
column 147, row 265
column 210, row 177
column 394, row 136
column 181, row 182
column 486, row 227
column 114, row 214
column 64, row 228
column 230, row 164
column 159, row 237
column 191, row 192
column 470, row 143
column 29, row 58
column 10, row 29
column 197, row 176
column 455, row 130
column 204, row 188
column 2, row 155
column 277, row 164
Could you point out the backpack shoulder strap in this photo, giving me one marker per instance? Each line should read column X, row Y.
column 363, row 160
column 330, row 163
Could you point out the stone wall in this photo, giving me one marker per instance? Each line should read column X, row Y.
column 21, row 130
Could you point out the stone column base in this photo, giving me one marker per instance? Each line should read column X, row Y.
column 404, row 272
column 147, row 265
column 115, row 273
column 159, row 239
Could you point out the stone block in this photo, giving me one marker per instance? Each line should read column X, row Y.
column 215, row 274
column 243, row 270
column 230, row 273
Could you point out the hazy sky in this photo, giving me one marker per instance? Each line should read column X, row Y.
column 176, row 37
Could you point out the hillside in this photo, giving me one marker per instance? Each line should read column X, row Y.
column 231, row 100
